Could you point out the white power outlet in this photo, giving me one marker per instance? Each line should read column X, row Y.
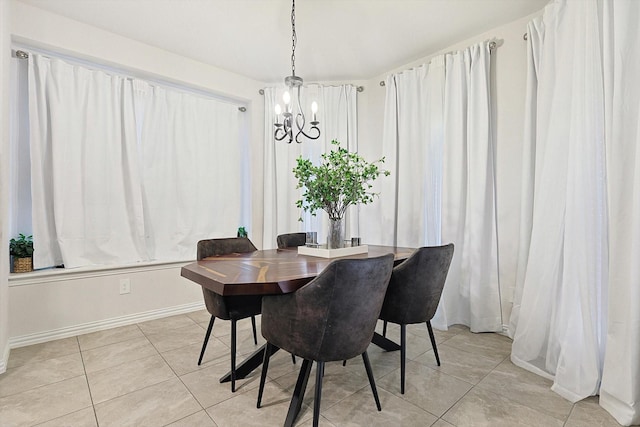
column 125, row 286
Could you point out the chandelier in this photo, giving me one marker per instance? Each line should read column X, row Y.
column 286, row 119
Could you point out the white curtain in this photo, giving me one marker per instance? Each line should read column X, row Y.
column 620, row 388
column 576, row 311
column 86, row 202
column 439, row 147
column 337, row 114
column 124, row 171
column 192, row 164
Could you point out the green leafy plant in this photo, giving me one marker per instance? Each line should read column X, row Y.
column 22, row 247
column 242, row 232
column 342, row 179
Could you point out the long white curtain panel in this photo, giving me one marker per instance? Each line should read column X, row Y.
column 124, row 171
column 439, row 147
column 577, row 302
column 337, row 114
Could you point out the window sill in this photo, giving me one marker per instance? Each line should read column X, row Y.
column 61, row 274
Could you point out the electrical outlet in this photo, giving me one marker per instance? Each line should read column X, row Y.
column 125, row 286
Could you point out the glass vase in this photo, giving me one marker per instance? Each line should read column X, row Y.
column 335, row 238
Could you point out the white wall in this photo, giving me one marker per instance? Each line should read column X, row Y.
column 47, row 307
column 4, row 179
column 509, row 78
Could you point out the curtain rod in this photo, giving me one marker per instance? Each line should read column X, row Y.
column 493, row 45
column 358, row 88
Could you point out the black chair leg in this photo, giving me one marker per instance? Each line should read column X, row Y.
column 316, row 403
column 403, row 355
column 372, row 381
column 433, row 342
column 206, row 339
column 384, row 329
column 298, row 393
column 263, row 376
column 344, row 363
column 253, row 325
column 233, row 356
column 293, row 359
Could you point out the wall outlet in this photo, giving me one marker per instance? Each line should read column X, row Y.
column 125, row 286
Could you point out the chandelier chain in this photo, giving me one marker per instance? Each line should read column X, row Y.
column 294, row 38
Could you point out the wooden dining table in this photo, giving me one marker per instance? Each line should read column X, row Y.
column 273, row 272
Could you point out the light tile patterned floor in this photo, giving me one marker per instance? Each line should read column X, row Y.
column 147, row 375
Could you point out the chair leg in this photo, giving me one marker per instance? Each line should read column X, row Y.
column 403, row 355
column 316, row 403
column 372, row 381
column 293, row 358
column 298, row 393
column 206, row 339
column 384, row 329
column 344, row 363
column 433, row 342
column 253, row 325
column 233, row 356
column 263, row 376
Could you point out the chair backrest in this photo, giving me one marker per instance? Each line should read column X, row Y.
column 226, row 246
column 334, row 316
column 291, row 240
column 228, row 307
column 416, row 285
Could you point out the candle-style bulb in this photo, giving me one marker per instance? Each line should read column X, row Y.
column 314, row 107
column 278, row 110
column 286, row 97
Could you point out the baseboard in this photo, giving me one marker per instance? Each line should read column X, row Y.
column 99, row 325
column 5, row 359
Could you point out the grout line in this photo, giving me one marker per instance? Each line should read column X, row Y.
column 86, row 377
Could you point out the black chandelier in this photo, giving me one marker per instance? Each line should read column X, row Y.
column 294, row 83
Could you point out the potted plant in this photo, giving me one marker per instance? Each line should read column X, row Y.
column 21, row 249
column 340, row 180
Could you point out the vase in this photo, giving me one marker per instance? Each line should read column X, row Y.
column 335, row 237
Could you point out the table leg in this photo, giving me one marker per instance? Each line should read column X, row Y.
column 249, row 364
column 384, row 343
column 298, row 393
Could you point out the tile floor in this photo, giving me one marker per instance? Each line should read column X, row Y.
column 146, row 375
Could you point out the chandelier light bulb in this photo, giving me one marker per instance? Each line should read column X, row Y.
column 278, row 110
column 286, row 97
column 314, row 110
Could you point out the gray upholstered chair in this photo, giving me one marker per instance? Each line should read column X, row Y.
column 331, row 318
column 291, row 240
column 414, row 293
column 232, row 308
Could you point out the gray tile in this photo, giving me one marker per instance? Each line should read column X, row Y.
column 465, row 366
column 26, row 377
column 45, row 403
column 359, row 410
column 240, row 409
column 322, row 422
column 589, row 413
column 222, row 328
column 83, row 418
column 200, row 316
column 165, row 323
column 39, row 352
column 109, row 336
column 527, row 389
column 481, row 408
column 420, row 383
column 199, row 419
column 116, row 354
column 382, row 362
column 185, row 359
column 206, row 387
column 127, row 377
column 170, row 339
column 492, row 346
column 157, row 405
column 442, row 423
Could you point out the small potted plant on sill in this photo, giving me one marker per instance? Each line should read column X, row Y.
column 21, row 249
column 341, row 179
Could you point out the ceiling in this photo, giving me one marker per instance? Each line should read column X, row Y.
column 338, row 40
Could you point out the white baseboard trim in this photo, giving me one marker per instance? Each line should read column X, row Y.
column 100, row 325
column 4, row 362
